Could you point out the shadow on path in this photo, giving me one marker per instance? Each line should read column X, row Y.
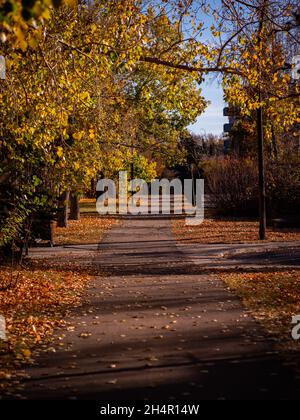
column 154, row 327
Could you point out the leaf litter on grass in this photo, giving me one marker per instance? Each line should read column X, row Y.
column 36, row 306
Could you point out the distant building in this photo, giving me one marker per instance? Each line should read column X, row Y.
column 233, row 114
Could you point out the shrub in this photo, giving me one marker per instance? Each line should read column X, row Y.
column 232, row 183
column 283, row 186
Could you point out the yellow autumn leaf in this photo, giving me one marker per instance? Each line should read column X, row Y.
column 46, row 14
column 60, row 152
column 71, row 3
column 79, row 135
column 26, row 353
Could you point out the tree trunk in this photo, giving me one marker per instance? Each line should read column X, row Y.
column 74, row 207
column 62, row 221
column 52, row 233
column 260, row 135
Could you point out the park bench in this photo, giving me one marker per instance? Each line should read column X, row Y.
column 42, row 231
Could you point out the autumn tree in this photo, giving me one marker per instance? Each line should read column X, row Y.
column 77, row 97
column 264, row 85
column 93, row 86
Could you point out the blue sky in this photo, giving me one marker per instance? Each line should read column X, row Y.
column 212, row 121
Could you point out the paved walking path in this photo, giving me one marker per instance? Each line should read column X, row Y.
column 156, row 328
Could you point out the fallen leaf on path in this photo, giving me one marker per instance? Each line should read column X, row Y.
column 85, row 335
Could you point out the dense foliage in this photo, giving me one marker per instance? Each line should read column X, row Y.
column 78, row 102
column 93, row 87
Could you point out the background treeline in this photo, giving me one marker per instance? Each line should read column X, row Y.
column 231, row 174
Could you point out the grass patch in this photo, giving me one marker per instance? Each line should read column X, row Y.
column 228, row 231
column 88, row 206
column 88, row 230
column 36, row 303
column 273, row 298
